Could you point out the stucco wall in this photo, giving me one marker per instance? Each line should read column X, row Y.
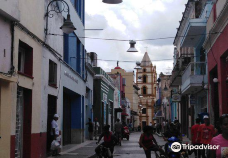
column 7, row 102
column 5, row 45
column 10, row 9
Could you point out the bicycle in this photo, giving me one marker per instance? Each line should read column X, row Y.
column 104, row 152
column 158, row 154
column 118, row 136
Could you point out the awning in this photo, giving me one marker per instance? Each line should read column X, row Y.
column 118, row 109
column 158, row 114
column 124, row 114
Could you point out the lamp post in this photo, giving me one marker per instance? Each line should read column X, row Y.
column 67, row 26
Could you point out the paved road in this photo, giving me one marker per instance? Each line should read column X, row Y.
column 129, row 149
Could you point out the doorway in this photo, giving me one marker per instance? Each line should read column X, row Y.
column 143, row 124
column 51, row 111
column 23, row 122
column 66, row 118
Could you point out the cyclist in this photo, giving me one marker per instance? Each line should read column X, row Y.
column 171, row 132
column 148, row 142
column 118, row 130
column 109, row 140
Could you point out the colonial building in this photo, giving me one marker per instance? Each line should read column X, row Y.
column 147, row 90
column 217, row 54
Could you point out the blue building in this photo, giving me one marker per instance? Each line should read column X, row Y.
column 74, row 89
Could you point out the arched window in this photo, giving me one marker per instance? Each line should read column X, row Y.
column 144, row 70
column 144, row 78
column 144, row 90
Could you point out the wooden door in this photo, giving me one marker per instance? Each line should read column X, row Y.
column 27, row 123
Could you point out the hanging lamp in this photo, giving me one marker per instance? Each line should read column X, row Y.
column 112, row 1
column 132, row 46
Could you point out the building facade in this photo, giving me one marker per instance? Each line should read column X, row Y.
column 147, row 90
column 217, row 57
column 189, row 74
column 103, row 98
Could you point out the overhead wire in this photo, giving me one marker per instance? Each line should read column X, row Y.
column 124, row 40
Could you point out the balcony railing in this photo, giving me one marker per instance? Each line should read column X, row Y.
column 194, row 68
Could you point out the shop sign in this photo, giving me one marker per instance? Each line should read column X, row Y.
column 176, row 98
column 70, row 76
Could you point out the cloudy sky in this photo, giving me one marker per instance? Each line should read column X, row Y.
column 133, row 19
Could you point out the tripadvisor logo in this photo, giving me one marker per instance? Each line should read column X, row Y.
column 176, row 147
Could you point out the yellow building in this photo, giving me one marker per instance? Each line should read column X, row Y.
column 147, row 90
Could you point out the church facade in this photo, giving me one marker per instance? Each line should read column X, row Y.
column 146, row 80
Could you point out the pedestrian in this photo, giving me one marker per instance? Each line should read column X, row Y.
column 177, row 124
column 195, row 141
column 96, row 126
column 148, row 142
column 221, row 140
column 109, row 140
column 90, row 129
column 55, row 132
column 118, row 130
column 205, row 133
column 166, row 126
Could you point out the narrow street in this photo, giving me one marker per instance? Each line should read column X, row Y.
column 128, row 149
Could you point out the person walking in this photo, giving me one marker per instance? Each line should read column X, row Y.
column 148, row 142
column 96, row 126
column 221, row 140
column 205, row 133
column 195, row 141
column 55, row 132
column 118, row 130
column 90, row 129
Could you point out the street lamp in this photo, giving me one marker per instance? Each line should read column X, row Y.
column 67, row 26
column 138, row 67
column 112, row 1
column 132, row 47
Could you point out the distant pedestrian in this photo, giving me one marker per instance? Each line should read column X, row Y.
column 195, row 141
column 54, row 132
column 221, row 140
column 90, row 129
column 96, row 126
column 205, row 133
column 166, row 126
column 178, row 125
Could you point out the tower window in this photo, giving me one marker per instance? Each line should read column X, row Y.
column 144, row 90
column 144, row 79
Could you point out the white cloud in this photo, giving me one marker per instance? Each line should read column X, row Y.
column 133, row 19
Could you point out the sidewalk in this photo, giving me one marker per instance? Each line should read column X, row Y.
column 83, row 150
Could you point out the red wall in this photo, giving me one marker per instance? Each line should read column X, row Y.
column 38, row 145
column 219, row 49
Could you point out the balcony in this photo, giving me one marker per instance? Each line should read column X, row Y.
column 181, row 64
column 195, row 28
column 192, row 77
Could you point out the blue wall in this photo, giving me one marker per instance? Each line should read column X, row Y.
column 80, row 8
column 74, row 53
column 76, row 116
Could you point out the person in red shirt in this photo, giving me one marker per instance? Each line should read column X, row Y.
column 149, row 143
column 205, row 133
column 195, row 141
